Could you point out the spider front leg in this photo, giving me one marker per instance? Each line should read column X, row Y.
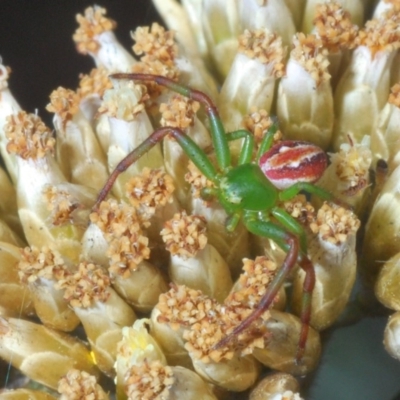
column 218, row 134
column 193, row 151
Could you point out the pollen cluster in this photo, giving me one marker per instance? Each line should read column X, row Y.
column 91, row 24
column 149, row 191
column 28, row 136
column 309, row 52
column 185, row 234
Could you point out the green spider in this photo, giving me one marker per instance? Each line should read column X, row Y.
column 250, row 191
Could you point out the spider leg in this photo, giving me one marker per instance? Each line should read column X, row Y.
column 268, row 139
column 290, row 242
column 218, row 134
column 291, row 238
column 193, row 151
column 309, row 282
column 305, row 314
column 310, row 188
column 246, row 153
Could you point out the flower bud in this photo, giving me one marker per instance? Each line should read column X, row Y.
column 15, row 297
column 381, row 231
column 194, row 262
column 391, row 338
column 78, row 151
column 275, row 385
column 25, row 394
column 364, row 86
column 102, row 312
column 40, row 353
column 95, row 37
column 260, row 55
column 8, row 107
column 333, row 254
column 354, row 7
column 41, row 269
column 305, row 100
column 129, row 126
column 281, row 343
column 387, row 287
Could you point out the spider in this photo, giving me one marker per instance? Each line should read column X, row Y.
column 246, row 193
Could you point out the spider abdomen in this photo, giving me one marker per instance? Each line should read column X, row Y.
column 245, row 187
column 292, row 161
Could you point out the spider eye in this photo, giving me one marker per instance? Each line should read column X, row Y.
column 290, row 161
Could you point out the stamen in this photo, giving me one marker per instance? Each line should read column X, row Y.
column 91, row 24
column 264, row 46
column 334, row 27
column 96, row 82
column 309, row 52
column 28, row 136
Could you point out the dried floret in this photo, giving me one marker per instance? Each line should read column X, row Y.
column 155, row 43
column 253, row 283
column 91, row 24
column 38, row 263
column 182, row 306
column 96, row 82
column 300, row 209
column 127, row 252
column 61, row 204
column 179, row 112
column 79, row 385
column 309, row 53
column 148, row 381
column 156, row 67
column 185, row 234
column 334, row 26
column 113, row 218
column 128, row 247
column 152, row 189
column 63, row 102
column 265, row 47
column 90, row 283
column 158, row 50
column 28, row 136
column 334, row 224
column 381, row 34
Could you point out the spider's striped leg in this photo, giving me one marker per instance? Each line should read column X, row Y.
column 290, row 242
column 291, row 238
column 309, row 282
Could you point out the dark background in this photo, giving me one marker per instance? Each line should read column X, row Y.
column 36, row 42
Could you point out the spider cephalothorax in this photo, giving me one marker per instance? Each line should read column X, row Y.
column 251, row 191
